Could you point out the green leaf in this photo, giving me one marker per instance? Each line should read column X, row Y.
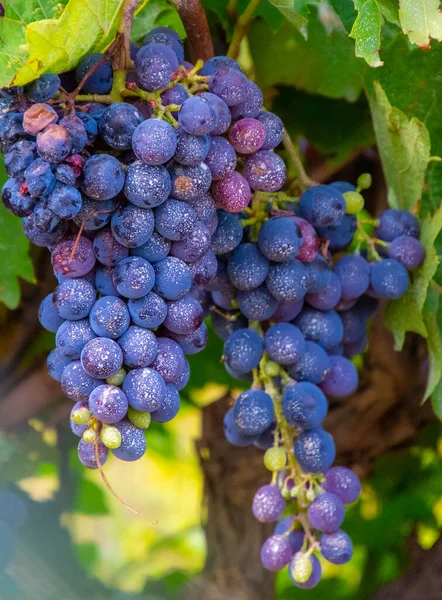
column 324, row 64
column 296, row 12
column 432, row 194
column 405, row 314
column 150, row 16
column 436, row 400
column 434, row 353
column 347, row 12
column 366, row 31
column 15, row 261
column 18, row 14
column 56, row 45
column 404, row 146
column 336, row 128
column 421, row 20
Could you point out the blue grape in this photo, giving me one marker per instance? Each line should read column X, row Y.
column 224, row 298
column 118, row 124
column 154, row 142
column 21, row 205
column 233, row 434
column 315, row 576
column 139, row 347
column 56, row 363
column 248, row 267
column 357, row 347
column 73, row 299
column 65, row 174
column 344, row 483
column 295, row 537
column 155, row 66
column 313, row 366
column 76, row 383
column 100, row 82
column 149, row 311
column 287, row 281
column 342, row 378
column 188, row 183
column 205, row 208
column 336, row 547
column 354, row 274
column 53, row 143
column 315, row 450
column 395, row 222
column 19, row 156
column 65, row 201
column 133, row 442
column 343, row 186
column 279, row 239
column 221, row 158
column 228, row 234
column 243, row 350
column 230, row 85
column 284, row 343
column 194, row 342
column 322, row 206
column 154, row 250
column 304, row 405
column 268, row 504
column 103, row 281
column 108, row 404
column 408, row 251
column 196, row 244
column 133, row 277
column 169, row 361
column 181, row 382
column 389, row 279
column 276, row 553
column 191, row 149
column 172, row 278
column 78, row 429
column 169, row 407
column 257, row 304
column 72, row 336
column 184, row 315
column 217, row 62
column 287, row 311
column 11, row 128
column 101, row 358
column 176, row 94
column 43, row 88
column 39, row 178
column 319, row 274
column 327, row 297
column 274, row 129
column 132, row 226
column 94, row 214
column 251, row 106
column 174, row 219
column 48, row 314
column 167, row 36
column 253, row 412
column 43, row 216
column 109, row 317
column 198, row 116
column 224, row 326
column 221, row 279
column 222, row 110
column 354, row 326
column 145, row 389
column 265, row 171
column 108, row 251
column 341, row 235
column 41, row 237
column 77, row 132
column 87, row 454
column 90, row 125
column 103, row 177
column 326, row 512
column 323, row 327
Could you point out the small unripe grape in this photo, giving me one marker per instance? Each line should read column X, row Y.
column 81, row 416
column 275, row 459
column 354, row 202
column 117, row 379
column 138, row 418
column 111, row 437
column 271, row 368
column 364, row 181
column 301, row 567
column 90, row 436
column 310, row 494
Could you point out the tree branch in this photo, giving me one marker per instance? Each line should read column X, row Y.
column 241, row 28
column 122, row 58
column 197, row 29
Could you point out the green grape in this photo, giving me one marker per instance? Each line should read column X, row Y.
column 364, row 181
column 354, row 202
column 111, row 437
column 90, row 436
column 118, row 378
column 81, row 416
column 275, row 459
column 302, row 568
column 138, row 418
column 271, row 368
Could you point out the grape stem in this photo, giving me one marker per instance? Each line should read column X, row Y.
column 304, row 180
column 197, row 29
column 122, row 60
column 241, row 28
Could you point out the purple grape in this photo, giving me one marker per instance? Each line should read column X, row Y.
column 313, row 366
column 43, row 88
column 326, row 512
column 19, row 156
column 133, row 442
column 100, row 82
column 408, row 251
column 56, row 363
column 139, row 347
column 169, row 407
column 310, row 241
column 243, row 350
column 228, row 234
column 276, row 553
column 354, row 274
column 176, row 94
column 108, row 404
column 72, row 336
column 204, row 270
column 172, row 278
column 154, row 250
column 287, row 282
column 76, row 383
column 265, row 171
column 279, row 239
column 109, row 317
column 72, row 257
column 221, row 158
column 268, row 504
column 191, row 149
column 251, row 106
column 87, row 454
column 108, row 251
column 217, row 62
column 74, row 298
column 48, row 314
column 343, row 483
column 65, row 201
column 205, row 208
column 315, row 450
column 184, row 315
column 339, row 236
column 232, row 193
column 229, row 85
column 198, row 116
column 304, row 405
column 39, row 178
column 287, row 311
column 77, row 132
column 323, row 327
column 233, row 434
column 342, row 378
column 248, row 267
column 149, row 311
column 295, row 537
column 253, row 412
column 169, row 361
column 132, row 226
column 154, row 142
column 328, row 296
column 53, row 143
column 188, row 183
column 194, row 342
column 274, row 129
column 322, row 206
column 394, row 223
column 247, row 136
column 133, row 277
column 101, row 358
column 145, row 389
column 147, row 186
column 154, row 67
column 118, row 123
column 222, row 110
column 336, row 547
column 284, row 343
column 175, row 220
column 257, row 304
column 94, row 215
column 103, row 281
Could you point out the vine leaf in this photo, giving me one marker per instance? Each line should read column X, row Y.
column 295, row 11
column 404, row 146
column 434, row 359
column 366, row 31
column 407, row 313
column 15, row 263
column 421, row 20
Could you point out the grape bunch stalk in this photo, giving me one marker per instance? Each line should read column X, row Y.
column 160, row 202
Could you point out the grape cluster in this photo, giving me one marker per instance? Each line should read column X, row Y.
column 167, row 207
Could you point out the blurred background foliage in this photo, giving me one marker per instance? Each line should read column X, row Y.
column 301, row 53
